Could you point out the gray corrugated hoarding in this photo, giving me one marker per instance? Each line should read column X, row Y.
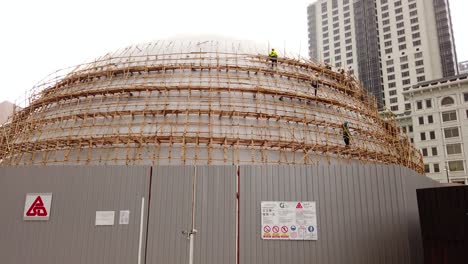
column 70, row 235
column 362, row 213
column 366, row 213
column 171, row 214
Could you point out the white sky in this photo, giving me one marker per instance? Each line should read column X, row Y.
column 39, row 37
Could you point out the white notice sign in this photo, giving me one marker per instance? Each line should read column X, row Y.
column 104, row 218
column 124, row 217
column 289, row 220
column 37, row 206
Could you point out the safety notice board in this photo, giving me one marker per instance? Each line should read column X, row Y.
column 289, row 220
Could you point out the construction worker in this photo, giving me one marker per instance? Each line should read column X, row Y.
column 273, row 57
column 315, row 84
column 346, row 133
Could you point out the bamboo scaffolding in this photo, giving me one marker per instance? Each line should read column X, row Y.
column 200, row 108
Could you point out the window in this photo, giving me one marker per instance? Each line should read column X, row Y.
column 350, row 61
column 451, row 132
column 325, row 41
column 398, row 3
column 410, row 128
column 402, row 47
column 432, row 135
column 419, row 105
column 411, row 140
column 416, row 43
column 423, row 136
column 398, row 10
column 325, row 35
column 388, row 43
column 346, row 14
column 453, row 149
column 413, row 13
column 430, row 119
column 394, row 108
column 387, row 36
column 456, row 165
column 467, row 113
column 414, row 20
column 392, row 85
column 436, row 167
column 399, row 17
column 391, row 77
column 400, row 32
column 411, row 6
column 348, row 27
column 400, row 24
column 391, row 69
column 404, row 58
column 420, row 71
column 336, row 31
column 385, row 15
column 347, row 34
column 336, row 38
column 421, row 78
column 347, row 21
column 446, row 101
column 421, row 120
column 434, row 151
column 335, row 19
column 424, row 152
column 392, row 92
column 406, row 82
column 393, row 100
column 449, row 116
column 349, row 48
column 405, row 74
column 408, row 106
column 465, row 97
column 427, row 168
column 326, row 54
column 415, row 28
column 386, row 29
column 404, row 66
column 390, row 62
column 335, row 12
column 419, row 63
column 418, row 55
column 416, row 35
column 429, row 104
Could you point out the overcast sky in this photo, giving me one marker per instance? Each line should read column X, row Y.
column 39, row 37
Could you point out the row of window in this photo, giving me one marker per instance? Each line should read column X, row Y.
column 446, row 101
column 451, row 149
column 453, row 166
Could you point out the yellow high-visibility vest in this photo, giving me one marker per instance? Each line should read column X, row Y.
column 273, row 53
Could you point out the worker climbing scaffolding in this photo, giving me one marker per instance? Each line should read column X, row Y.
column 273, row 57
column 346, row 133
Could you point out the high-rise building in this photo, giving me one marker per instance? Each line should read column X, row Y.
column 390, row 44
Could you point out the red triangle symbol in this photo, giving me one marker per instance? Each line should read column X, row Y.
column 299, row 206
column 37, row 208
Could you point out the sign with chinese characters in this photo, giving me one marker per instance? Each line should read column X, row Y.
column 289, row 220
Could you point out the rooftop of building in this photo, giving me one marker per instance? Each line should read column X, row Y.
column 427, row 85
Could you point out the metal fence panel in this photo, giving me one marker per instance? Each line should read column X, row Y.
column 362, row 213
column 70, row 235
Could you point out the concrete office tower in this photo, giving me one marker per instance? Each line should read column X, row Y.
column 207, row 102
column 391, row 45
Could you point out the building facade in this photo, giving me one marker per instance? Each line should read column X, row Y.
column 391, row 45
column 438, row 126
column 463, row 67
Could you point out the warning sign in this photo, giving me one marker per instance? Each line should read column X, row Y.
column 289, row 220
column 37, row 206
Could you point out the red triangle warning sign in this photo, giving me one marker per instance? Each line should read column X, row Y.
column 299, row 206
column 37, row 208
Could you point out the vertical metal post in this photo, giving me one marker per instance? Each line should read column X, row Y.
column 140, row 242
column 193, row 231
column 446, row 172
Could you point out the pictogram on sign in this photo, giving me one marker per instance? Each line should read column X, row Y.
column 284, row 229
column 275, row 229
column 267, row 229
column 299, row 206
column 37, row 206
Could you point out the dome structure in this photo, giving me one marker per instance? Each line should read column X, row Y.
column 200, row 102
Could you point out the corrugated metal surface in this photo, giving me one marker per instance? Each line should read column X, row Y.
column 215, row 220
column 171, row 213
column 444, row 224
column 70, row 235
column 362, row 213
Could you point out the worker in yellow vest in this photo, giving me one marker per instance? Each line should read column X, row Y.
column 273, row 57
